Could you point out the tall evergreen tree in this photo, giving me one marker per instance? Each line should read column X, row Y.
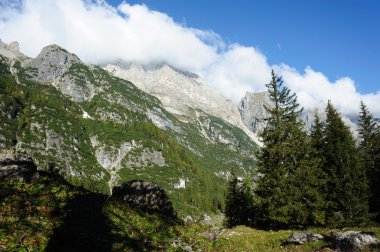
column 347, row 188
column 317, row 145
column 239, row 202
column 376, row 187
column 288, row 189
column 369, row 147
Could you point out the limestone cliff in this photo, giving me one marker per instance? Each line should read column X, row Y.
column 180, row 92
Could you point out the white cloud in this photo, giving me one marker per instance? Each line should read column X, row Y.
column 100, row 33
column 314, row 89
column 237, row 70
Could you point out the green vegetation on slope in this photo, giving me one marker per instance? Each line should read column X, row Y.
column 49, row 126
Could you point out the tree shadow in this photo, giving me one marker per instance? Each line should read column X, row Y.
column 85, row 227
column 88, row 221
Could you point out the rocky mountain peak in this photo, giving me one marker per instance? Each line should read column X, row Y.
column 64, row 70
column 177, row 91
column 152, row 67
column 11, row 50
column 14, row 47
column 54, row 55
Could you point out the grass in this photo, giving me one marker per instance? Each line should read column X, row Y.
column 243, row 238
column 52, row 215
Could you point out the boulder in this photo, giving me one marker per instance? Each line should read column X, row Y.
column 146, row 196
column 355, row 240
column 16, row 165
column 303, row 237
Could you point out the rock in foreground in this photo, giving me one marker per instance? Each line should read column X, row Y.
column 355, row 240
column 303, row 237
column 146, row 196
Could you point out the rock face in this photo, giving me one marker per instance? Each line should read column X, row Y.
column 252, row 110
column 180, row 92
column 11, row 51
column 64, row 70
column 253, row 113
column 177, row 90
column 303, row 237
column 355, row 240
column 146, row 196
column 51, row 63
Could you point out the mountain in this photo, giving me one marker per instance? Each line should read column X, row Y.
column 252, row 111
column 180, row 92
column 100, row 131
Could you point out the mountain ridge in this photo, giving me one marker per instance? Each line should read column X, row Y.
column 100, row 131
column 180, row 92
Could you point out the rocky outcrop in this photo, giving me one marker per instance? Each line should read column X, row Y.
column 54, row 65
column 115, row 158
column 51, row 63
column 111, row 157
column 355, row 240
column 16, row 165
column 161, row 121
column 303, row 237
column 252, row 111
column 145, row 196
column 146, row 158
column 11, row 51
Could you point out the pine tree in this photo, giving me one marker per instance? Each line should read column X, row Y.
column 376, row 187
column 288, row 190
column 369, row 147
column 317, row 144
column 346, row 185
column 239, row 202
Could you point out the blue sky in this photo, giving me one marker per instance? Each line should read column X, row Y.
column 338, row 38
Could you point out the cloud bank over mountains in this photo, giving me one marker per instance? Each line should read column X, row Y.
column 99, row 33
